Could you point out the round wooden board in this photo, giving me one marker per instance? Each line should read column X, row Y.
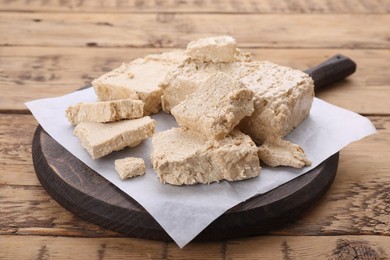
column 88, row 195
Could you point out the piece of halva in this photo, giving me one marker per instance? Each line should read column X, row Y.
column 282, row 96
column 130, row 167
column 282, row 100
column 213, row 49
column 183, row 156
column 105, row 111
column 139, row 79
column 185, row 79
column 215, row 108
column 100, row 139
column 278, row 152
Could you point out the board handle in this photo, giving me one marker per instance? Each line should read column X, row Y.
column 334, row 69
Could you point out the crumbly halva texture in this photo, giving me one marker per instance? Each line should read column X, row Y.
column 100, row 139
column 283, row 99
column 213, row 49
column 139, row 79
column 215, row 108
column 282, row 96
column 278, row 152
column 188, row 77
column 105, row 111
column 183, row 156
column 130, row 167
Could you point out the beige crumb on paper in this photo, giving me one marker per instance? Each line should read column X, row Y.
column 130, row 167
column 277, row 152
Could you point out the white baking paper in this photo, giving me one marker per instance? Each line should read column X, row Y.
column 184, row 211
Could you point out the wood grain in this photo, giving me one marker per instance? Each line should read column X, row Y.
column 28, row 73
column 268, row 247
column 314, row 247
column 42, row 247
column 16, row 134
column 176, row 30
column 201, row 6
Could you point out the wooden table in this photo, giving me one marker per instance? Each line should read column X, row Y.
column 49, row 48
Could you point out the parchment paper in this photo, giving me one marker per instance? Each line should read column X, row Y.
column 186, row 210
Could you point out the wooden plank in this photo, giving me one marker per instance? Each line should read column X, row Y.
column 16, row 132
column 268, row 247
column 357, row 202
column 42, row 247
column 204, row 6
column 176, row 30
column 28, row 73
column 314, row 247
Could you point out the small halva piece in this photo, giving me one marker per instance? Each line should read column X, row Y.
column 183, row 156
column 278, row 152
column 213, row 49
column 100, row 139
column 139, row 79
column 130, row 167
column 215, row 108
column 105, row 111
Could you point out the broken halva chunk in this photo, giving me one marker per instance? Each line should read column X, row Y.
column 105, row 111
column 130, row 167
column 213, row 49
column 187, row 157
column 100, row 139
column 282, row 96
column 139, row 79
column 280, row 152
column 215, row 108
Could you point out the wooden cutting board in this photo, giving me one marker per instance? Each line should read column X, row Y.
column 88, row 195
column 84, row 192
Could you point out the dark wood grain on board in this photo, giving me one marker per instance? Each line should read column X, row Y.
column 88, row 195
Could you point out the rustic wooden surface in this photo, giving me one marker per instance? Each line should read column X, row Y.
column 49, row 48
